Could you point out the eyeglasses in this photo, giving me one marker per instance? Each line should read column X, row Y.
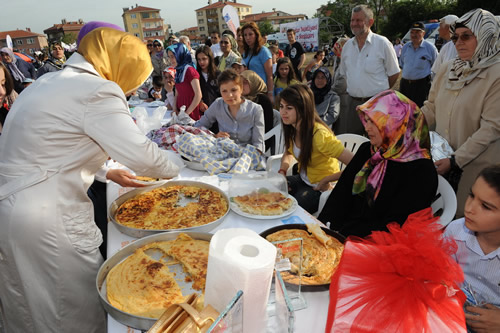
column 223, row 42
column 156, row 45
column 150, row 45
column 463, row 37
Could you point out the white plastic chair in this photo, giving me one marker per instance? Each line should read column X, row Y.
column 352, row 143
column 278, row 147
column 445, row 204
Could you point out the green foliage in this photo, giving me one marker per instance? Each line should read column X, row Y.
column 463, row 6
column 266, row 28
column 341, row 12
column 69, row 38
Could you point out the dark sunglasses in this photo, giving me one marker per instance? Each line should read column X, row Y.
column 150, row 45
column 463, row 37
column 223, row 42
column 156, row 45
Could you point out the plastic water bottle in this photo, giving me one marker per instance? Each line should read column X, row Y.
column 183, row 109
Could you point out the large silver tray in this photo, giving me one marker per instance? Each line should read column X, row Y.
column 139, row 233
column 142, row 323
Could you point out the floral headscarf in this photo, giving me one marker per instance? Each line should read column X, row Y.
column 16, row 72
column 257, row 85
column 486, row 27
column 117, row 56
column 405, row 138
column 319, row 94
column 183, row 59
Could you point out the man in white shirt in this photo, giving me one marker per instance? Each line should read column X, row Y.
column 448, row 50
column 215, row 39
column 369, row 64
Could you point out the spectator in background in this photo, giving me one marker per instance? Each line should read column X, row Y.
column 416, row 61
column 326, row 100
column 448, row 50
column 6, row 88
column 257, row 57
column 398, row 46
column 369, row 65
column 285, row 76
column 149, row 45
column 208, row 77
column 239, row 67
column 187, row 80
column 40, row 58
column 159, row 58
column 18, row 69
column 172, row 40
column 56, row 60
column 239, row 40
column 315, row 63
column 274, row 54
column 186, row 41
column 169, row 86
column 215, row 39
column 230, row 53
column 157, row 92
column 295, row 52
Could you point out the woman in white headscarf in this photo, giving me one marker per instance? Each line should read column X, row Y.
column 55, row 139
column 464, row 100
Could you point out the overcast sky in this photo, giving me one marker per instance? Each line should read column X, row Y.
column 42, row 14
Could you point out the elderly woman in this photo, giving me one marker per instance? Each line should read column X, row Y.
column 464, row 100
column 48, row 239
column 389, row 177
column 230, row 53
column 159, row 58
column 18, row 68
column 56, row 60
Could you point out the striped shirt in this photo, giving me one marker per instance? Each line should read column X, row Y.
column 482, row 271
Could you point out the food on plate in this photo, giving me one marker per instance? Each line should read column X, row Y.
column 263, row 203
column 147, row 179
column 160, row 208
column 321, row 255
column 143, row 286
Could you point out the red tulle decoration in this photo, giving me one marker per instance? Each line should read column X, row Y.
column 403, row 280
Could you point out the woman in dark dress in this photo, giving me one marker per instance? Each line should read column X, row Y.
column 389, row 177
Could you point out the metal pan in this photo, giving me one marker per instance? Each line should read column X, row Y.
column 329, row 232
column 139, row 233
column 142, row 323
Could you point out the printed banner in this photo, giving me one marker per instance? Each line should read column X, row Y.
column 306, row 32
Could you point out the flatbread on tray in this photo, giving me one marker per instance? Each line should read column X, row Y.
column 267, row 203
column 143, row 286
column 321, row 255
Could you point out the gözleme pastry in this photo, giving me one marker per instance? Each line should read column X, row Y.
column 143, row 286
column 263, row 203
column 321, row 254
column 159, row 209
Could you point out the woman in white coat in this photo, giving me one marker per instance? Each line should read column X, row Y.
column 57, row 135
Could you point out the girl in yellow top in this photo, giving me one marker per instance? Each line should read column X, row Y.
column 285, row 75
column 309, row 140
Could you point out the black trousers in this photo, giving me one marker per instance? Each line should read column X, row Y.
column 416, row 90
column 97, row 193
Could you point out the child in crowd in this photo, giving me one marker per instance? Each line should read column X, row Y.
column 316, row 63
column 312, row 143
column 478, row 240
column 157, row 92
column 169, row 86
column 239, row 67
column 208, row 77
column 285, row 75
column 238, row 118
column 274, row 54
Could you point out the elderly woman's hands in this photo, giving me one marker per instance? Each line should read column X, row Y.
column 485, row 319
column 443, row 166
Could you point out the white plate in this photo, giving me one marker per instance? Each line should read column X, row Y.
column 155, row 182
column 235, row 208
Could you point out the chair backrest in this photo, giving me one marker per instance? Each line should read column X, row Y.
column 352, row 143
column 278, row 146
column 445, row 203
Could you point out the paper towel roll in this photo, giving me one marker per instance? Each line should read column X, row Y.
column 240, row 259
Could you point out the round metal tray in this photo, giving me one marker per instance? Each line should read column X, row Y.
column 142, row 323
column 341, row 238
column 139, row 233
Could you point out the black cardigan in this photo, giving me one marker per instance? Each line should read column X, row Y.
column 407, row 188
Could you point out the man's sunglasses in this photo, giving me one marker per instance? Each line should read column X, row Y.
column 150, row 45
column 463, row 37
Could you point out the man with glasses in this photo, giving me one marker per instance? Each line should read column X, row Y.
column 416, row 61
column 149, row 46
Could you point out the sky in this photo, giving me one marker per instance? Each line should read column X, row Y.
column 42, row 14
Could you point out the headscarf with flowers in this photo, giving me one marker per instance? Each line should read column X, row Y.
column 405, row 138
column 183, row 59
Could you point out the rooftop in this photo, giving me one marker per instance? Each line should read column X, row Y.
column 142, row 9
column 222, row 4
column 19, row 34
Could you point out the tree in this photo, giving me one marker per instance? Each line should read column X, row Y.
column 266, row 28
column 69, row 38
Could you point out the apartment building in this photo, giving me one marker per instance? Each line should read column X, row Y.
column 144, row 22
column 24, row 41
column 209, row 18
column 276, row 17
column 56, row 32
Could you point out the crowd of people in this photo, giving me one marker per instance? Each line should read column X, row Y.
column 57, row 133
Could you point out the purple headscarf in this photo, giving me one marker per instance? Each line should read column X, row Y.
column 88, row 27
